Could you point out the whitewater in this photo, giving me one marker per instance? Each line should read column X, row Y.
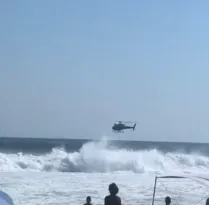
column 67, row 177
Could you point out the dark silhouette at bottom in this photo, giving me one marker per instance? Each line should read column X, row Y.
column 88, row 200
column 112, row 199
column 167, row 200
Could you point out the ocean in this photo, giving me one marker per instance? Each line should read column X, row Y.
column 65, row 171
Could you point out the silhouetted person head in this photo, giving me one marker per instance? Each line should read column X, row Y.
column 113, row 189
column 207, row 201
column 88, row 199
column 112, row 199
column 167, row 200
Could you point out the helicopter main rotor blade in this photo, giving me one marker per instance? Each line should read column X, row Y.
column 125, row 121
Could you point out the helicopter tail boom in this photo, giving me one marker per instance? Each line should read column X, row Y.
column 134, row 126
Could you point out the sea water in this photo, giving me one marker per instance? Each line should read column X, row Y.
column 63, row 176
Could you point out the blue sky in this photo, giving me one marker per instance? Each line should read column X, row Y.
column 72, row 68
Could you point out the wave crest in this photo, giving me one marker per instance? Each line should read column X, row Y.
column 98, row 157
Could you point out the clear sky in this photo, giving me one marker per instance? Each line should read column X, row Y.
column 72, row 68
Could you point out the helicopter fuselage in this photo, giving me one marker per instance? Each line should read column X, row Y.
column 119, row 127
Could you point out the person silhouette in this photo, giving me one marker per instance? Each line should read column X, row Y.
column 112, row 199
column 88, row 200
column 167, row 200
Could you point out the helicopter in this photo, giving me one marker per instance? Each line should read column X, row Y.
column 120, row 126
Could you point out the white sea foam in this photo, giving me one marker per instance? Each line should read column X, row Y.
column 32, row 179
column 96, row 157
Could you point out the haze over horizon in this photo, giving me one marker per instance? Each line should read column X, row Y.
column 73, row 68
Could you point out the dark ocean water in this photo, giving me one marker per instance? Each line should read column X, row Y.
column 45, row 145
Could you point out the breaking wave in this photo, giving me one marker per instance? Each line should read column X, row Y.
column 97, row 157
